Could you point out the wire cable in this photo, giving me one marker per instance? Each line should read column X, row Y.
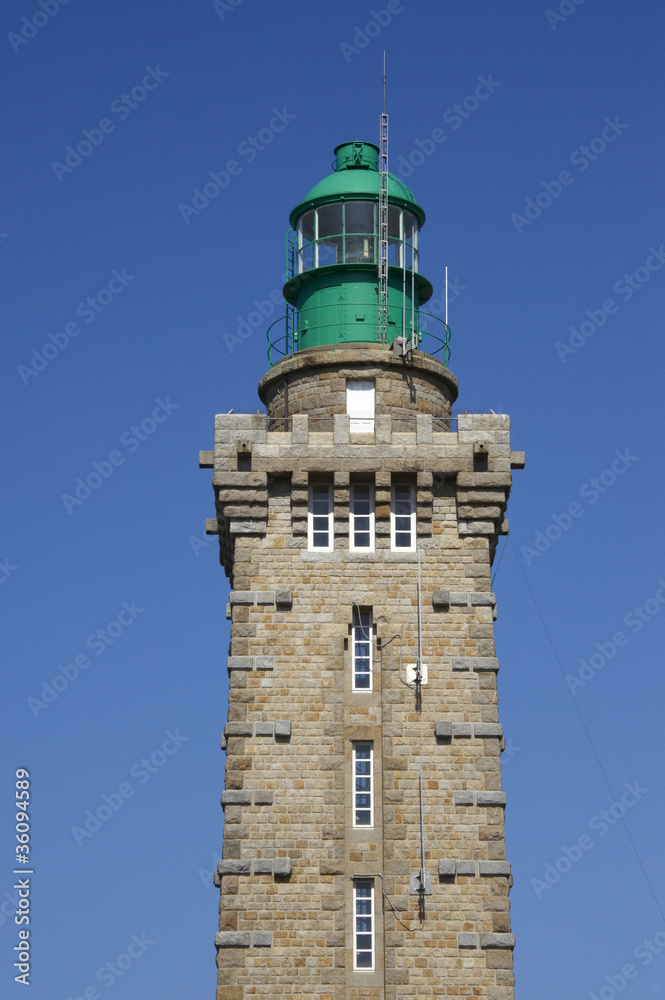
column 588, row 734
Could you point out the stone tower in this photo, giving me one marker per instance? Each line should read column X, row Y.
column 363, row 852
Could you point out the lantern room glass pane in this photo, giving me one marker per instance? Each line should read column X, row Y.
column 330, row 220
column 330, row 235
column 307, row 227
column 359, row 217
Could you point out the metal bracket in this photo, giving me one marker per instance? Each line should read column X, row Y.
column 420, row 882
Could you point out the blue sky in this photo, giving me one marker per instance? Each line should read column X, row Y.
column 122, row 311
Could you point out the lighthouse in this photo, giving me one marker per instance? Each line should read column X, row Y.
column 363, row 843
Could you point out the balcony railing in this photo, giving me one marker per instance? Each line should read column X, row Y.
column 285, row 338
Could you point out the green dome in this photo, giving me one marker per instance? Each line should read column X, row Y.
column 353, row 181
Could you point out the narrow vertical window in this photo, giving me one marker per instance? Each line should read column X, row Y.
column 361, row 507
column 403, row 518
column 363, row 938
column 362, row 650
column 360, row 406
column 320, row 517
column 363, row 777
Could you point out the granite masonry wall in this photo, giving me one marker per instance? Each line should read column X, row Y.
column 290, row 849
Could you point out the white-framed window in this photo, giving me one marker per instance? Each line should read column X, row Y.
column 363, row 919
column 320, row 517
column 362, row 650
column 363, row 785
column 361, row 512
column 403, row 518
column 360, row 405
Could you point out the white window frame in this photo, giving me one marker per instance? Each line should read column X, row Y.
column 364, row 746
column 363, row 889
column 328, row 488
column 362, row 632
column 402, row 487
column 354, row 488
column 362, row 418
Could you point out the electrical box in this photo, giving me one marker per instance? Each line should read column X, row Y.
column 411, row 674
column 416, row 883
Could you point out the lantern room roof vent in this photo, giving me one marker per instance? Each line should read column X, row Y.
column 356, row 156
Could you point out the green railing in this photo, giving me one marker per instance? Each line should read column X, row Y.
column 284, row 337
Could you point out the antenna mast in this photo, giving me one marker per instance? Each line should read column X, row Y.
column 383, row 217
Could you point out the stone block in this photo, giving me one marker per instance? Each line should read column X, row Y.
column 483, row 600
column 233, row 939
column 443, row 730
column 236, row 798
column 447, row 869
column 397, row 976
column 466, row 868
column 238, row 729
column 234, row 867
column 264, row 662
column 465, row 939
column 263, row 729
column 497, row 940
column 463, row 798
column 240, row 663
column 262, row 866
column 491, row 798
column 461, row 662
column 459, row 598
column 485, row 663
column 265, row 597
column 284, row 598
column 263, row 797
column 441, row 599
column 494, row 868
column 241, row 597
column 262, row 939
column 229, row 615
column 282, row 866
column 282, row 728
column 462, row 729
column 482, row 730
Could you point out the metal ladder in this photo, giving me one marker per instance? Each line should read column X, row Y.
column 383, row 229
